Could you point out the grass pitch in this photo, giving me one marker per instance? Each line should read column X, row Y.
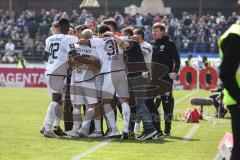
column 22, row 112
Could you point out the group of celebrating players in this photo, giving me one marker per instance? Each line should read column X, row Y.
column 106, row 69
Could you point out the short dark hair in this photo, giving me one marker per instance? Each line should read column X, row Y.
column 102, row 28
column 128, row 31
column 64, row 25
column 110, row 22
column 159, row 25
column 139, row 32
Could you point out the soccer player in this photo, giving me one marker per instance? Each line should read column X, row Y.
column 83, row 89
column 59, row 47
column 72, row 34
column 79, row 29
column 56, row 129
column 145, row 46
column 115, row 79
column 55, row 28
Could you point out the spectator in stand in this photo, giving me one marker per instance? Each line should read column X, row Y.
column 138, row 20
column 119, row 19
column 74, row 17
column 185, row 44
column 32, row 28
column 191, row 33
column 91, row 25
column 9, row 56
column 43, row 30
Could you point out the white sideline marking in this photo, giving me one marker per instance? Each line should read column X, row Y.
column 191, row 132
column 94, row 148
column 106, row 142
column 185, row 97
column 194, row 128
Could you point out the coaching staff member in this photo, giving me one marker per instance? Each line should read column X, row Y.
column 166, row 54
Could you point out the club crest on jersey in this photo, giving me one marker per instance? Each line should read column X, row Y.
column 161, row 48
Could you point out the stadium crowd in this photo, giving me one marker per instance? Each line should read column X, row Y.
column 28, row 30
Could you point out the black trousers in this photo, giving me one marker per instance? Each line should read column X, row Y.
column 153, row 109
column 235, row 116
column 168, row 106
column 133, row 117
column 68, row 108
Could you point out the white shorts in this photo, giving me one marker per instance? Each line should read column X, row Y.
column 83, row 93
column 55, row 84
column 115, row 82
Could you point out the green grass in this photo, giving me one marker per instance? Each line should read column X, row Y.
column 22, row 112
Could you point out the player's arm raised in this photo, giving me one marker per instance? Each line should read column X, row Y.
column 93, row 63
column 74, row 58
column 122, row 43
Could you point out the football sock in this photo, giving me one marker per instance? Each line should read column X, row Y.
column 126, row 116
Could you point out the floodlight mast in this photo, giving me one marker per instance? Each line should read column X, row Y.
column 199, row 8
column 10, row 6
column 106, row 12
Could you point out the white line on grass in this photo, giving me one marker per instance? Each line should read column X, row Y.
column 106, row 142
column 191, row 132
column 185, row 97
column 194, row 128
column 94, row 148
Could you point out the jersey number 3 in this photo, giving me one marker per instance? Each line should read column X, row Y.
column 54, row 47
column 111, row 47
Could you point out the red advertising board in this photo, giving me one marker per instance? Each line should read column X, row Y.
column 34, row 77
column 14, row 77
column 202, row 78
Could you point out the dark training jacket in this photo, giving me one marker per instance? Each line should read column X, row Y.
column 165, row 53
column 135, row 60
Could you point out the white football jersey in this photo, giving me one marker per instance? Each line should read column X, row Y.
column 82, row 73
column 58, row 46
column 147, row 51
column 110, row 54
column 74, row 38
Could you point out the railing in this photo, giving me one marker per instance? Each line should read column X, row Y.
column 32, row 49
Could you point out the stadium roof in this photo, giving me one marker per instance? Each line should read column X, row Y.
column 89, row 3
